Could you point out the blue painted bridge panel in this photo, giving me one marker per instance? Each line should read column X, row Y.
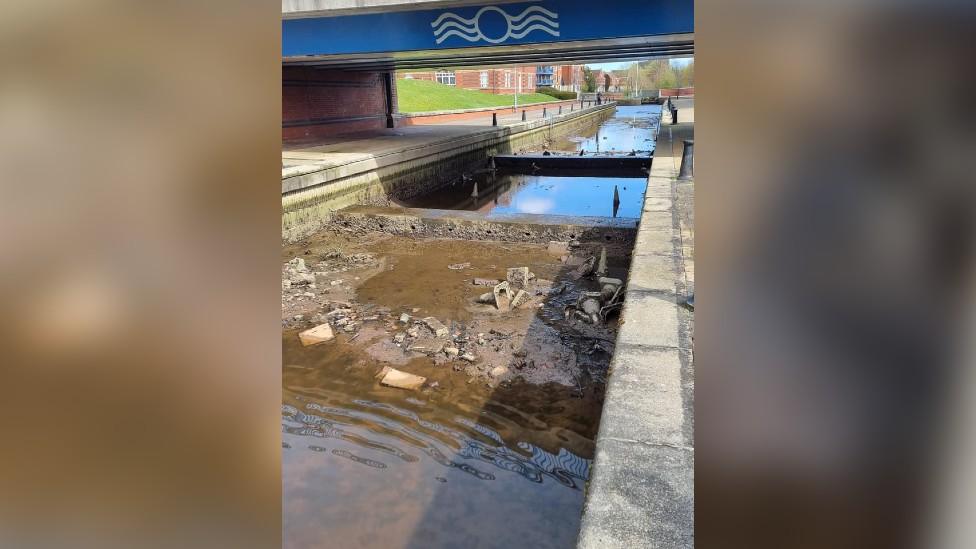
column 487, row 25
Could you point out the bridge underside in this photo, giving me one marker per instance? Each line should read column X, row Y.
column 581, row 51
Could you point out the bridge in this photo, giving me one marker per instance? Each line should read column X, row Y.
column 338, row 55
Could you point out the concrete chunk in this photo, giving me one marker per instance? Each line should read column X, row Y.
column 402, row 380
column 439, row 329
column 503, row 296
column 316, row 335
column 521, row 298
column 518, row 276
column 558, row 248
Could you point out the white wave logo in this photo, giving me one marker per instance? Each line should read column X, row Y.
column 518, row 26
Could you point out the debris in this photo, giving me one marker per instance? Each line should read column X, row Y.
column 601, row 267
column 459, row 266
column 498, row 371
column 590, row 306
column 452, row 352
column 297, row 264
column 518, row 276
column 439, row 329
column 586, row 268
column 487, row 298
column 503, row 296
column 413, row 331
column 399, row 338
column 504, row 335
column 405, row 318
column 335, row 282
column 427, row 345
column 401, row 380
column 614, row 281
column 521, row 298
column 316, row 335
column 299, row 279
column 469, row 357
column 286, row 284
column 485, row 282
column 558, row 248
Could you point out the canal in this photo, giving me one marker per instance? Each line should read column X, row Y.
column 489, row 453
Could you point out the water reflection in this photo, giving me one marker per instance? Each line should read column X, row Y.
column 632, row 128
column 541, row 193
column 432, row 439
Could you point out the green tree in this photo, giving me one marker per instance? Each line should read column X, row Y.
column 589, row 80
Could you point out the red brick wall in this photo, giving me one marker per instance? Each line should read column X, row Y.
column 470, row 79
column 677, row 92
column 319, row 103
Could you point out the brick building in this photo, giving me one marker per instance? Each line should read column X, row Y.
column 569, row 78
column 498, row 81
column 601, row 81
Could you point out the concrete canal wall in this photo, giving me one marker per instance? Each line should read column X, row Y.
column 328, row 182
column 641, row 492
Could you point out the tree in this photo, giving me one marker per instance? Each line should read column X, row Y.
column 589, row 80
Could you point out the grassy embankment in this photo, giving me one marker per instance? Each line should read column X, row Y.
column 424, row 96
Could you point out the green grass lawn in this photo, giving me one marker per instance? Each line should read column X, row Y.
column 423, row 96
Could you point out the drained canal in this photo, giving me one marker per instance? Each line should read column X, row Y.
column 495, row 447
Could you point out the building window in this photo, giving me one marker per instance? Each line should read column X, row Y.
column 445, row 77
column 483, row 79
column 508, row 79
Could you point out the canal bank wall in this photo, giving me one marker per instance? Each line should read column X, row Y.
column 641, row 492
column 313, row 191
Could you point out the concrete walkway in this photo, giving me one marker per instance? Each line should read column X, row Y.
column 641, row 493
column 316, row 161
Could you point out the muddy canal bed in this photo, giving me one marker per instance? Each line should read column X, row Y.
column 494, row 449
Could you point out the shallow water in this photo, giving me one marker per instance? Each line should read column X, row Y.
column 371, row 466
column 540, row 194
column 632, row 128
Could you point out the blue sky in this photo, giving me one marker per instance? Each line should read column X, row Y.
column 614, row 66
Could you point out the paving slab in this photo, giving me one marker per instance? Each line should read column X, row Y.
column 640, row 495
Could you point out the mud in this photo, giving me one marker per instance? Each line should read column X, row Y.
column 366, row 283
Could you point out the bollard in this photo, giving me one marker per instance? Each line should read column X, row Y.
column 674, row 115
column 687, row 160
column 523, row 116
column 560, row 109
column 474, row 192
column 572, row 106
column 494, row 119
column 543, row 112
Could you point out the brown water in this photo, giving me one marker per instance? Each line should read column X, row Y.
column 371, row 466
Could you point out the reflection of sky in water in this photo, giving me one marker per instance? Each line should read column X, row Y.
column 571, row 196
column 631, row 128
